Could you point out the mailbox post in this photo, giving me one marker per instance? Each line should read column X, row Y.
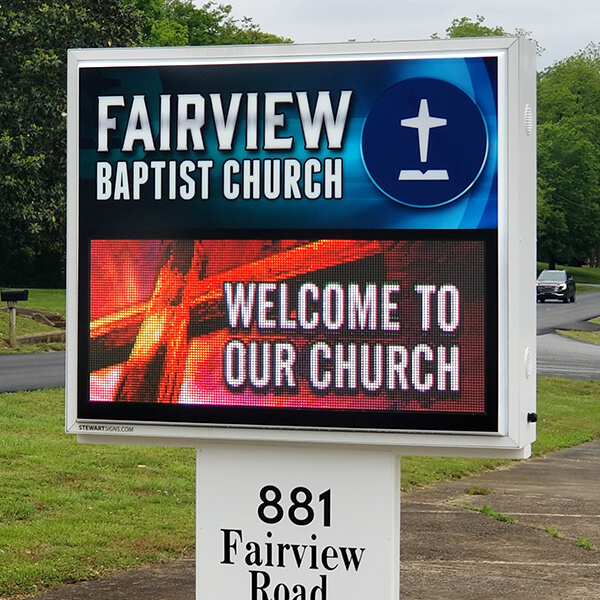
column 11, row 297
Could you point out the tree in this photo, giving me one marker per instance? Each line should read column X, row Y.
column 180, row 23
column 569, row 171
column 570, row 87
column 465, row 27
column 551, row 227
column 569, row 157
column 34, row 37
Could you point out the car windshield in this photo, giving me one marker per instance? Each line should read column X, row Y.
column 552, row 276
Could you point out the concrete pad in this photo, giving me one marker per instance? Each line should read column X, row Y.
column 450, row 550
column 169, row 581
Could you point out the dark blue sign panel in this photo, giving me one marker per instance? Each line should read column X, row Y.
column 302, row 243
column 373, row 144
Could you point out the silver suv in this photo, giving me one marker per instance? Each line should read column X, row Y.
column 555, row 284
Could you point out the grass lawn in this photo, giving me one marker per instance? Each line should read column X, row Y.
column 591, row 337
column 72, row 512
column 581, row 274
column 44, row 300
column 24, row 326
column 568, row 413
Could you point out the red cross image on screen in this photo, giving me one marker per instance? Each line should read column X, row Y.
column 349, row 324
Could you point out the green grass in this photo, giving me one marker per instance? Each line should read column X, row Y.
column 582, row 542
column 591, row 337
column 585, row 274
column 44, row 300
column 24, row 326
column 418, row 471
column 568, row 415
column 580, row 274
column 553, row 531
column 47, row 300
column 488, row 511
column 71, row 512
column 583, row 288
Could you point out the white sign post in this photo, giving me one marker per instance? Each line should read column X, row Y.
column 303, row 261
column 297, row 523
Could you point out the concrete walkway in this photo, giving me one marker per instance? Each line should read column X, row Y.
column 451, row 552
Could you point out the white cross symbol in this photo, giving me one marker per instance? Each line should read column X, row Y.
column 423, row 123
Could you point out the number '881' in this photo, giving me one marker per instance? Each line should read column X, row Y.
column 299, row 508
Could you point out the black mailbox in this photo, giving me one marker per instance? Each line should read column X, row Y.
column 14, row 295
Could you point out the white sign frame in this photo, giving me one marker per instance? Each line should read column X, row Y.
column 516, row 263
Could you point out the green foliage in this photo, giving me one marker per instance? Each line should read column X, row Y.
column 180, row 23
column 569, row 162
column 584, row 543
column 571, row 87
column 569, row 158
column 553, row 531
column 34, row 38
column 488, row 511
column 552, row 229
column 466, row 27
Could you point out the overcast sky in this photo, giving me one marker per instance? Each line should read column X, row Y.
column 562, row 27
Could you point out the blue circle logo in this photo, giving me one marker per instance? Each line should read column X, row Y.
column 424, row 142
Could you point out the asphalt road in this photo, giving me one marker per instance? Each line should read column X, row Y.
column 557, row 355
column 31, row 371
column 553, row 315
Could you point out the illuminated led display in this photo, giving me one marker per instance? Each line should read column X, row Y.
column 338, row 324
column 326, row 325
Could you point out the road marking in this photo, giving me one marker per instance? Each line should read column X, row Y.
column 510, row 563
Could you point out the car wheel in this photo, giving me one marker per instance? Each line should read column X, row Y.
column 573, row 298
column 566, row 299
